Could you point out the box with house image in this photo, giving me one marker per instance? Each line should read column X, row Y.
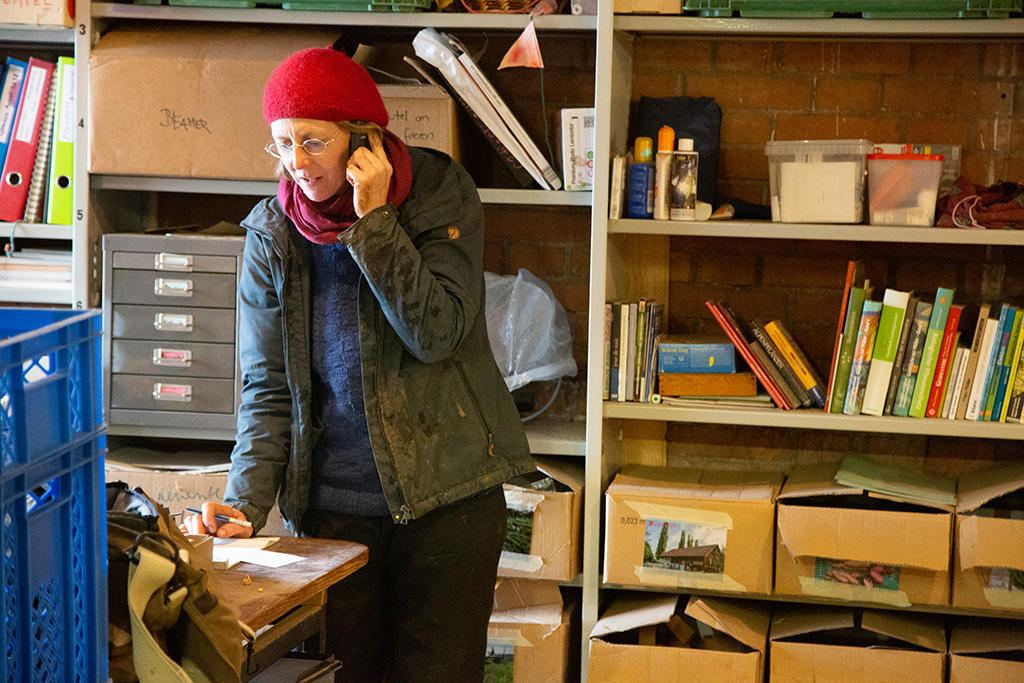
column 693, row 528
column 529, row 633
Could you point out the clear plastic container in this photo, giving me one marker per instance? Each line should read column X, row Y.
column 817, row 181
column 903, row 188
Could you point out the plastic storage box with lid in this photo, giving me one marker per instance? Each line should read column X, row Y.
column 53, row 540
column 903, row 188
column 817, row 181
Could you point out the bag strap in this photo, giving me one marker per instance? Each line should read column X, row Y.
column 149, row 572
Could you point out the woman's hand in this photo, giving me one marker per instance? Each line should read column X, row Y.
column 208, row 524
column 369, row 174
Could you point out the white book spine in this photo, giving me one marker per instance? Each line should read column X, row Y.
column 883, row 354
column 958, row 372
column 977, row 388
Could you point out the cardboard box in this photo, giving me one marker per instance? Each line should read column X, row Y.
column 543, row 539
column 986, row 651
column 648, row 7
column 40, row 12
column 837, row 541
column 179, row 480
column 988, row 555
column 188, row 102
column 841, row 644
column 705, row 529
column 578, row 127
column 646, row 639
column 528, row 635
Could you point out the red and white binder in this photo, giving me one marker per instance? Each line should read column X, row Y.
column 21, row 155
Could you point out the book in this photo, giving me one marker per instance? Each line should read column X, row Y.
column 707, row 384
column 869, row 317
column 912, row 358
column 607, row 352
column 1014, row 369
column 930, row 352
column 977, row 394
column 615, row 352
column 996, row 361
column 578, row 125
column 451, row 59
column 41, row 164
column 883, row 353
column 762, row 356
column 893, row 482
column 60, row 183
column 972, row 360
column 950, row 337
column 681, row 353
column 1015, row 400
column 800, row 394
column 848, row 343
column 641, row 330
column 901, row 352
column 10, row 95
column 655, row 316
column 21, row 153
column 797, row 359
column 957, row 375
column 727, row 321
column 1009, row 364
column 617, row 192
column 629, row 351
column 854, row 277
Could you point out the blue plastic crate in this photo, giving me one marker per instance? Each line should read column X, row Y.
column 52, row 507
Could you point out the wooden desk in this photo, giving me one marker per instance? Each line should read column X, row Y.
column 290, row 608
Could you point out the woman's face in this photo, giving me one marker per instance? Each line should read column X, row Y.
column 320, row 176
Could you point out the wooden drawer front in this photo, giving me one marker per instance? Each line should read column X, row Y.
column 170, row 323
column 177, row 359
column 174, row 262
column 208, row 290
column 181, row 394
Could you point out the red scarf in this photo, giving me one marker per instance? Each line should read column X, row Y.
column 321, row 222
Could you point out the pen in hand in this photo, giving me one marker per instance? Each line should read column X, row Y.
column 223, row 518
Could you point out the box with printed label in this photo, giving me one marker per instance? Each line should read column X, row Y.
column 691, row 528
column 529, row 633
column 988, row 552
column 39, row 12
column 986, row 651
column 843, row 542
column 653, row 639
column 813, row 643
column 543, row 538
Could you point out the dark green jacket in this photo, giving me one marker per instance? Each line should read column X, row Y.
column 441, row 420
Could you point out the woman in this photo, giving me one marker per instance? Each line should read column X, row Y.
column 372, row 408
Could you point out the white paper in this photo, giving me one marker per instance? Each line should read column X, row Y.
column 231, row 555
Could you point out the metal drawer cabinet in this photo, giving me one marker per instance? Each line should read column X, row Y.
column 170, row 359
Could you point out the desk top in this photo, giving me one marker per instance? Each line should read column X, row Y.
column 284, row 588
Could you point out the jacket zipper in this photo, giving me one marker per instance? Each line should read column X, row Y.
column 476, row 407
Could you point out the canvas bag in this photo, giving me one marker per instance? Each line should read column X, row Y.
column 165, row 604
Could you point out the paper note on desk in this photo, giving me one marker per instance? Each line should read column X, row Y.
column 257, row 542
column 231, row 551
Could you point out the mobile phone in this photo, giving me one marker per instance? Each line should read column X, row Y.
column 357, row 140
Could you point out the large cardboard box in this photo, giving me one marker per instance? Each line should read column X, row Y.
column 188, row 102
column 846, row 645
column 838, row 541
column 986, row 651
column 179, row 480
column 646, row 639
column 543, row 540
column 705, row 529
column 529, row 633
column 988, row 555
column 40, row 12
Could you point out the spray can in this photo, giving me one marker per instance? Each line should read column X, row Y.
column 663, row 172
column 641, row 180
column 683, row 193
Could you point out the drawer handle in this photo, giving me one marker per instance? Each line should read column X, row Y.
column 178, row 358
column 168, row 287
column 173, row 322
column 172, row 392
column 179, row 262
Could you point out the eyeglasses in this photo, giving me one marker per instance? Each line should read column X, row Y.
column 312, row 146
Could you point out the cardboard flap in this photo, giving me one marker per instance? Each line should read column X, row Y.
column 976, row 488
column 990, row 542
column 898, row 483
column 922, row 630
column 527, row 602
column 979, row 636
column 561, row 471
column 645, row 480
column 625, row 614
column 747, row 622
column 808, row 481
column 798, row 620
column 905, row 539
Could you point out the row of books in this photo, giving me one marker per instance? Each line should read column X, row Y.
column 632, row 330
column 37, row 132
column 908, row 355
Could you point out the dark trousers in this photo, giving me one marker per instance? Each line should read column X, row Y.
column 418, row 610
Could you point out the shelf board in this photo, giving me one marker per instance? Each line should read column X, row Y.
column 28, row 291
column 548, row 437
column 833, row 232
column 31, row 33
column 453, row 20
column 961, row 29
column 813, row 600
column 805, row 418
column 36, row 231
column 266, row 188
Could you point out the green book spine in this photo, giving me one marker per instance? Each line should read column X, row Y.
column 912, row 359
column 846, row 348
column 998, row 354
column 1009, row 360
column 883, row 354
column 930, row 353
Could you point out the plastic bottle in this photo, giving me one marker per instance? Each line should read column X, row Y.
column 641, row 180
column 663, row 172
column 683, row 194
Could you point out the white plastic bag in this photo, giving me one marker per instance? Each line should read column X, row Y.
column 528, row 329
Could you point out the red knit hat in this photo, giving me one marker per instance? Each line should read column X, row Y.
column 322, row 84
